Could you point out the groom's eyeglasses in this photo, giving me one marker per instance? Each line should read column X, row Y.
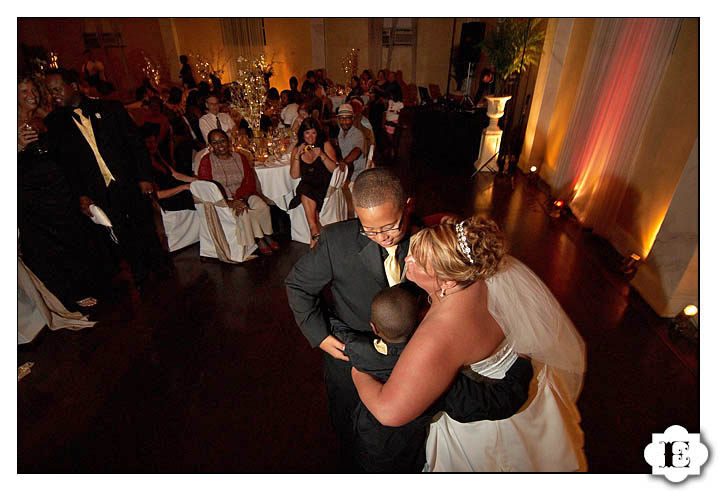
column 385, row 231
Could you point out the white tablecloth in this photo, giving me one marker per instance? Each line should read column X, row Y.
column 276, row 183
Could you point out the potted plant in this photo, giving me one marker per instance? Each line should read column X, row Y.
column 511, row 47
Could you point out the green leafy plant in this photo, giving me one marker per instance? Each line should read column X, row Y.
column 511, row 47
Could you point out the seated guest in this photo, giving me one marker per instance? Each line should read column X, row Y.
column 322, row 78
column 172, row 186
column 265, row 124
column 138, row 109
column 216, row 83
column 366, row 81
column 303, row 112
column 192, row 115
column 359, row 118
column 273, row 105
column 202, row 93
column 182, row 134
column 379, row 88
column 241, row 188
column 379, row 99
column 355, row 87
column 296, row 95
column 161, row 127
column 310, row 81
column 314, row 160
column 289, row 110
column 403, row 87
column 93, row 70
column 392, row 87
column 175, row 104
column 323, row 105
column 105, row 89
column 214, row 119
column 351, row 142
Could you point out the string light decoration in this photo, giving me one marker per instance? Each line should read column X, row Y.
column 52, row 60
column 151, row 70
column 249, row 90
column 205, row 68
column 350, row 63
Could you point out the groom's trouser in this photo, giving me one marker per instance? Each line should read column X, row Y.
column 343, row 399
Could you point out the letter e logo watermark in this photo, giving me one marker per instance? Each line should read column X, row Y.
column 676, row 454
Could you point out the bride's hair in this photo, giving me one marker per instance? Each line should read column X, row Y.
column 440, row 247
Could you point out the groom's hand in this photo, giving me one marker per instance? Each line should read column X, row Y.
column 333, row 347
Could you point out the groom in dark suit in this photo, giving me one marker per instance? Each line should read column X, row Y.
column 105, row 159
column 359, row 258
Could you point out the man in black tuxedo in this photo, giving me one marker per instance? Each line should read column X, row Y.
column 359, row 258
column 105, row 159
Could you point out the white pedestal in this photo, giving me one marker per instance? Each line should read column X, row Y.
column 491, row 135
column 490, row 143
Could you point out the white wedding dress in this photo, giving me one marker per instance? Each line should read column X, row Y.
column 544, row 435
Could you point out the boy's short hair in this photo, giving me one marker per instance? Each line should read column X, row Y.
column 394, row 312
column 377, row 186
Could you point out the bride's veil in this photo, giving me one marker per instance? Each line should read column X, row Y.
column 534, row 322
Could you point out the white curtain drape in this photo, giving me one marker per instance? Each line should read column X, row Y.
column 242, row 37
column 624, row 67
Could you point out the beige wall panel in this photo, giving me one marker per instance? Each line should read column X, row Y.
column 432, row 54
column 203, row 36
column 341, row 35
column 289, row 43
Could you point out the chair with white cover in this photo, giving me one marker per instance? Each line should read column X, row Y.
column 198, row 158
column 181, row 228
column 221, row 235
column 333, row 210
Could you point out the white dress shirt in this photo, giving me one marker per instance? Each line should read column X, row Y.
column 208, row 122
column 289, row 114
column 347, row 142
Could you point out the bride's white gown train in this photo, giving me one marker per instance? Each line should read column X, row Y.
column 544, row 435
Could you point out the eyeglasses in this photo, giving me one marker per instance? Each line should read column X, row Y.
column 385, row 231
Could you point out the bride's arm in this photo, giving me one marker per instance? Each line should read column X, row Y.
column 424, row 371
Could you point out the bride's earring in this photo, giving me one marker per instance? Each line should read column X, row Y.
column 443, row 292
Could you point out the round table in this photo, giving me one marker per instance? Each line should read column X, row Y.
column 276, row 183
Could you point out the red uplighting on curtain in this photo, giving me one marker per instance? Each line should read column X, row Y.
column 623, row 69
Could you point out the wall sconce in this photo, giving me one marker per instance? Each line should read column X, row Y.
column 685, row 323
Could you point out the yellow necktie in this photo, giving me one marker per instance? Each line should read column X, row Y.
column 85, row 126
column 391, row 267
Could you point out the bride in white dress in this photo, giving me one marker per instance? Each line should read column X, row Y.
column 486, row 306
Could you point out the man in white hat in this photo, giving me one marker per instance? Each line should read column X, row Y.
column 351, row 141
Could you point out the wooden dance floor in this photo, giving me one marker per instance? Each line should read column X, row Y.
column 207, row 371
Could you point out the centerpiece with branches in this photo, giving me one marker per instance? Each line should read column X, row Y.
column 249, row 90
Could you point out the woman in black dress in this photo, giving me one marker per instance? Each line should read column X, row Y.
column 314, row 160
column 53, row 232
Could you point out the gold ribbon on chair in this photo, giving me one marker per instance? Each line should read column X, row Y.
column 215, row 228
